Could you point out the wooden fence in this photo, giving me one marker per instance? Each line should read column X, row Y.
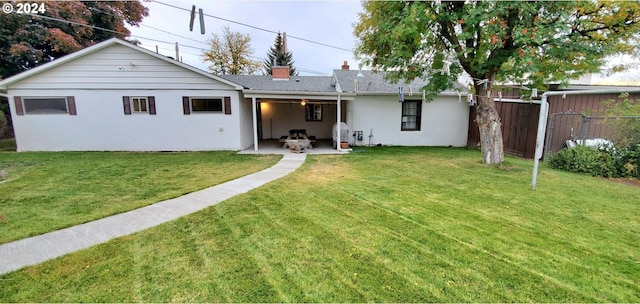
column 520, row 119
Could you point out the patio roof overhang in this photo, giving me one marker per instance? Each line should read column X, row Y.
column 298, row 95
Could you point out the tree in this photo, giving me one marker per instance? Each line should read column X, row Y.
column 532, row 43
column 230, row 54
column 278, row 55
column 27, row 41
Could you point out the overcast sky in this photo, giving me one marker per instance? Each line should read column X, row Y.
column 326, row 22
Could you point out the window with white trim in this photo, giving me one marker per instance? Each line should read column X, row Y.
column 45, row 105
column 206, row 104
column 139, row 105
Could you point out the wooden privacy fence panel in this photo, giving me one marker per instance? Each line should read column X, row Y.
column 519, row 127
column 520, row 120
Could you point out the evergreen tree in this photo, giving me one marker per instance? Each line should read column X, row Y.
column 278, row 55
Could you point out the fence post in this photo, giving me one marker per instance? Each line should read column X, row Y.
column 584, row 131
column 547, row 143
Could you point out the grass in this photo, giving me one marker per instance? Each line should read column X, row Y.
column 42, row 192
column 383, row 225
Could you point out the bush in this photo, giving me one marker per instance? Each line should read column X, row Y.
column 4, row 124
column 617, row 162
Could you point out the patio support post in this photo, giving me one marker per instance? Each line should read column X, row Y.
column 254, row 109
column 339, row 115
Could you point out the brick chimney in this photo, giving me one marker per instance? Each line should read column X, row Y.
column 345, row 65
column 280, row 72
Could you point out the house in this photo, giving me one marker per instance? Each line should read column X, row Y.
column 115, row 96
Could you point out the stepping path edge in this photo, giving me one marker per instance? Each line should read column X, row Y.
column 37, row 249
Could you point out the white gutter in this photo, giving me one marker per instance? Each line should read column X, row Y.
column 544, row 114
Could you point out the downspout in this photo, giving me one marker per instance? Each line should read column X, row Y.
column 544, row 115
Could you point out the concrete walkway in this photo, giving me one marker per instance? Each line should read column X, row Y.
column 37, row 249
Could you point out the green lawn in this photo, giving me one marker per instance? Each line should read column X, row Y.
column 379, row 225
column 42, row 192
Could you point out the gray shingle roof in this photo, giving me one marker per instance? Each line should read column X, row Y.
column 371, row 82
column 294, row 84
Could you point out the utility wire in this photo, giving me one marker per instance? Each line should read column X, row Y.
column 257, row 28
column 151, row 39
column 151, row 27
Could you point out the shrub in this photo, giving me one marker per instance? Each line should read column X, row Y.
column 617, row 162
column 4, row 123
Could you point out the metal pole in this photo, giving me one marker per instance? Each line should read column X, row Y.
column 339, row 119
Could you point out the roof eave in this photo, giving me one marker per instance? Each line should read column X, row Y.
column 297, row 94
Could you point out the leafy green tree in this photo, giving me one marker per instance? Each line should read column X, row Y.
column 278, row 55
column 28, row 41
column 230, row 54
column 529, row 42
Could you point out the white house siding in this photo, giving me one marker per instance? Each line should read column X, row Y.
column 246, row 123
column 444, row 121
column 101, row 125
column 119, row 67
column 279, row 118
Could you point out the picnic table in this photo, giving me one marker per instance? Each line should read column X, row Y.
column 297, row 136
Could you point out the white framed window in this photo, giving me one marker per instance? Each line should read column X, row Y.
column 205, row 104
column 45, row 105
column 139, row 105
column 35, row 105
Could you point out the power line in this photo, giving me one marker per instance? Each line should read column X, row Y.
column 258, row 28
column 151, row 27
column 151, row 39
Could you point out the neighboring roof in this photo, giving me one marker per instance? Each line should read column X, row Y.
column 294, row 84
column 585, row 87
column 99, row 46
column 370, row 82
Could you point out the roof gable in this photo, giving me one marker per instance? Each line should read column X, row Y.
column 50, row 66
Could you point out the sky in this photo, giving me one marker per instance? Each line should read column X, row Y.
column 329, row 24
column 325, row 22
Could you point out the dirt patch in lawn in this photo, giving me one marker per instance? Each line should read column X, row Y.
column 634, row 182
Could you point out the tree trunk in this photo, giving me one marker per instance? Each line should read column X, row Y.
column 489, row 125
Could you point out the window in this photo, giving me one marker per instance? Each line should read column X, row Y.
column 313, row 112
column 54, row 105
column 139, row 105
column 206, row 105
column 411, row 110
column 45, row 105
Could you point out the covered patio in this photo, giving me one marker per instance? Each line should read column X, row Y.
column 276, row 114
column 281, row 103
